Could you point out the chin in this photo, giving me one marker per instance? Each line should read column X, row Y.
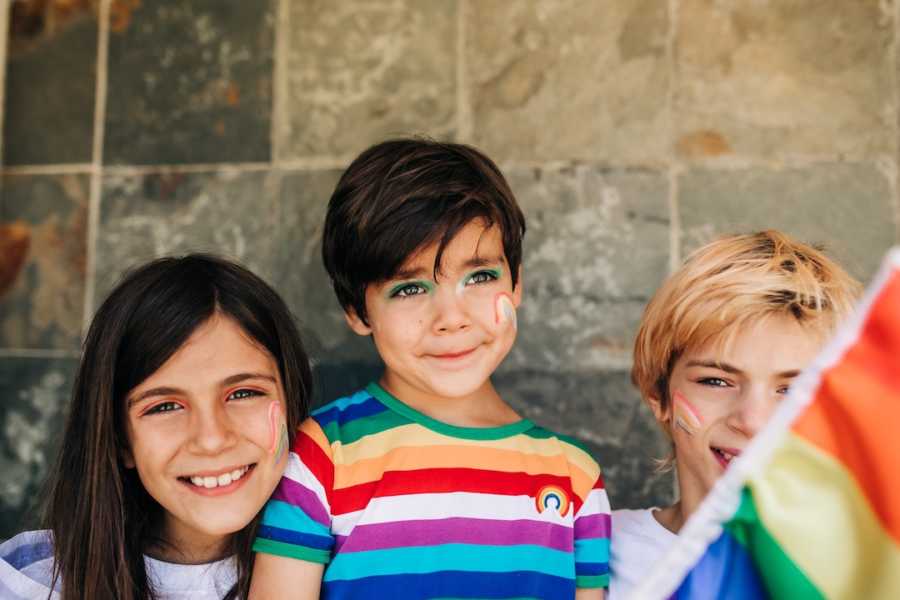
column 225, row 525
column 458, row 388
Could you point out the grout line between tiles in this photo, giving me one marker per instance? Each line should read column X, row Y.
column 96, row 162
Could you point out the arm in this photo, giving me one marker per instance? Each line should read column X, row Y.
column 294, row 539
column 593, row 526
column 279, row 577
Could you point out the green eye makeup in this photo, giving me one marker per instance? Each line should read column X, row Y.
column 482, row 276
column 410, row 288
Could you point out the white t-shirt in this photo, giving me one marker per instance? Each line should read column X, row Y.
column 26, row 568
column 638, row 543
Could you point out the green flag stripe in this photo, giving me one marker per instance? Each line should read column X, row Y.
column 782, row 578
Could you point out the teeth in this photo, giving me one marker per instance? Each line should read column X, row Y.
column 210, row 482
column 726, row 455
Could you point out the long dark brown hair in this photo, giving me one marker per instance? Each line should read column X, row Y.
column 101, row 517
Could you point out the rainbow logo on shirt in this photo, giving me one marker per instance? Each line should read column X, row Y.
column 552, row 497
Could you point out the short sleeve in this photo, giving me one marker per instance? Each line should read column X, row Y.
column 296, row 520
column 592, row 538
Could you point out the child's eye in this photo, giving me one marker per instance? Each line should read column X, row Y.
column 408, row 289
column 244, row 393
column 483, row 277
column 713, row 382
column 784, row 389
column 163, row 407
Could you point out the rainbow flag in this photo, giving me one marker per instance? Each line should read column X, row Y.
column 812, row 509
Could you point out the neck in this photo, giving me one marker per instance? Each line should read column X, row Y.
column 482, row 408
column 672, row 517
column 192, row 549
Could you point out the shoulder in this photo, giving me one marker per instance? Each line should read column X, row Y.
column 27, row 548
column 575, row 451
column 342, row 419
column 26, row 565
column 628, row 524
column 638, row 543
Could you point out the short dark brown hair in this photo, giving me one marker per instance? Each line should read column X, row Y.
column 401, row 195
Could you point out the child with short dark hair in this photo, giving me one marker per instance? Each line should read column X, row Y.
column 427, row 484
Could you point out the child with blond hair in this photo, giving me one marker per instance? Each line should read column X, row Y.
column 717, row 348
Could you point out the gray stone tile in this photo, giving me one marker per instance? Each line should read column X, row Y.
column 43, row 241
column 298, row 272
column 603, row 410
column 190, row 82
column 147, row 216
column 50, row 78
column 847, row 208
column 35, row 395
column 359, row 72
column 596, row 248
column 573, row 79
column 269, row 221
column 779, row 79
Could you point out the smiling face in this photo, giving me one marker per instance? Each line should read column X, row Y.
column 720, row 399
column 443, row 337
column 205, row 436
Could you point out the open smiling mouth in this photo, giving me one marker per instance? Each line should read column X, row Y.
column 225, row 479
column 725, row 455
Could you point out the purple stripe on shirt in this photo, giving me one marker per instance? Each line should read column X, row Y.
column 593, row 526
column 431, row 532
column 297, row 494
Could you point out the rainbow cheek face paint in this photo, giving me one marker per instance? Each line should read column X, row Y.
column 505, row 310
column 686, row 415
column 277, row 431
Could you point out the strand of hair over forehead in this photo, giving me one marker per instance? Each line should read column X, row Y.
column 742, row 279
column 808, row 280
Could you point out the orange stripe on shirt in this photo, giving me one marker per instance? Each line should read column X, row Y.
column 453, row 456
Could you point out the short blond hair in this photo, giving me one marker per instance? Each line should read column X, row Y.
column 731, row 283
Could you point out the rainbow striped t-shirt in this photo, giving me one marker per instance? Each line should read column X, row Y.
column 400, row 505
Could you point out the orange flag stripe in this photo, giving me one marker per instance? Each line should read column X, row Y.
column 856, row 411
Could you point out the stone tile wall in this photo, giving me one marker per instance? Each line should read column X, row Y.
column 631, row 131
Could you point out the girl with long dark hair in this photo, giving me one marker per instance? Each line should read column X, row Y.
column 191, row 377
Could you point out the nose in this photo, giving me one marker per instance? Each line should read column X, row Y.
column 211, row 430
column 451, row 314
column 753, row 410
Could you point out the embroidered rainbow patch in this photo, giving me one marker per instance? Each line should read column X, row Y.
column 552, row 497
column 686, row 416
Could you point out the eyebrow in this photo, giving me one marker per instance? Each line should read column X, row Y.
column 712, row 364
column 174, row 391
column 421, row 273
column 482, row 261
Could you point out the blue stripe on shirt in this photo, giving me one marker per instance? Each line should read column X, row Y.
column 453, row 584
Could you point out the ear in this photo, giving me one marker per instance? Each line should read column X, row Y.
column 356, row 324
column 662, row 415
column 517, row 291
